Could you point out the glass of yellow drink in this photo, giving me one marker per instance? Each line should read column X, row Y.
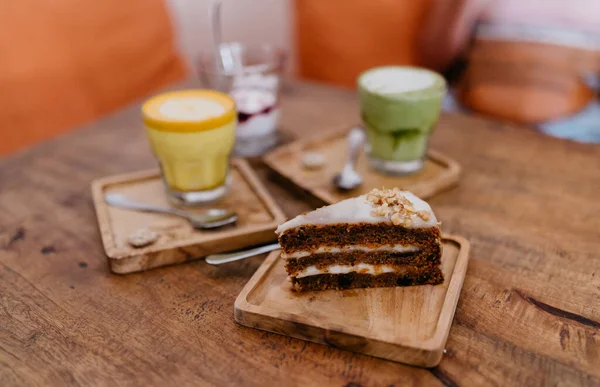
column 192, row 134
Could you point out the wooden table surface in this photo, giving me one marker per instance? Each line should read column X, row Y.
column 529, row 312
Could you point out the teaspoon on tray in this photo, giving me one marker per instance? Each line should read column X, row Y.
column 348, row 178
column 211, row 218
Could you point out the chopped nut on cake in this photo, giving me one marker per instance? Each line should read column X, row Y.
column 424, row 215
column 394, row 205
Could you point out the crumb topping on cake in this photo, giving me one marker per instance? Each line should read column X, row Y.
column 393, row 205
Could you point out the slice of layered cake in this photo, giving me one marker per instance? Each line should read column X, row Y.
column 384, row 238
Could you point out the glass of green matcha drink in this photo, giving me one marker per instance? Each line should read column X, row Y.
column 399, row 108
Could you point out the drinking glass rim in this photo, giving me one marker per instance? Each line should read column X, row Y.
column 279, row 56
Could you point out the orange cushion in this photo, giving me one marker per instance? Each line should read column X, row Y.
column 65, row 63
column 338, row 39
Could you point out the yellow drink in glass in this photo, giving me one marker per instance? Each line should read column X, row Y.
column 192, row 134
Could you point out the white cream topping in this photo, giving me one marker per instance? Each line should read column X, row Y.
column 393, row 80
column 357, row 210
column 347, row 248
column 363, row 268
column 191, row 108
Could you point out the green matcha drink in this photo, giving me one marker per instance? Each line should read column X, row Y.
column 399, row 109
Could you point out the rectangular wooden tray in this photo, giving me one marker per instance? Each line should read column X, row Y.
column 178, row 241
column 404, row 324
column 439, row 173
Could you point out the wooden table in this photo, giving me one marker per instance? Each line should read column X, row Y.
column 529, row 312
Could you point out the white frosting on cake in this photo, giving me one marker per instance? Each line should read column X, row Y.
column 358, row 210
column 363, row 268
column 347, row 248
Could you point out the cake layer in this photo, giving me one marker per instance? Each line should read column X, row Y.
column 311, row 237
column 352, row 248
column 429, row 256
column 364, row 268
column 359, row 280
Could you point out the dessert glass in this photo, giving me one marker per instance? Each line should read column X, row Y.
column 399, row 109
column 252, row 76
column 192, row 133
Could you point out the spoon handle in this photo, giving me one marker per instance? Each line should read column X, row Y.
column 215, row 18
column 123, row 202
column 356, row 138
column 217, row 259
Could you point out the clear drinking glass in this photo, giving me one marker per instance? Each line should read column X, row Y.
column 252, row 76
column 399, row 108
column 192, row 133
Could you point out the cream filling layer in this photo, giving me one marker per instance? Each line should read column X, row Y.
column 348, row 248
column 363, row 268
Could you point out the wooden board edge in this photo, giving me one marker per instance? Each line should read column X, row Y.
column 302, row 142
column 98, row 185
column 247, row 315
column 118, row 178
column 152, row 260
column 341, row 340
column 241, row 302
column 452, row 165
column 430, row 352
column 448, row 179
column 261, row 191
column 270, row 159
column 451, row 301
column 113, row 253
column 122, row 261
column 117, row 254
column 102, row 217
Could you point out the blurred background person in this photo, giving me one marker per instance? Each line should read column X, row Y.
column 529, row 61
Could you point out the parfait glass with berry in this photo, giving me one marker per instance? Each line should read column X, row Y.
column 252, row 76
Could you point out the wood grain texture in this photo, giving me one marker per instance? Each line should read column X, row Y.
column 528, row 313
column 405, row 324
column 178, row 242
column 439, row 172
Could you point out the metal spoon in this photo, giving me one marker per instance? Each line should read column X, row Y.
column 348, row 178
column 218, row 259
column 228, row 55
column 211, row 218
column 222, row 61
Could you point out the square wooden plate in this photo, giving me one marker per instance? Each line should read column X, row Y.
column 178, row 241
column 439, row 173
column 404, row 324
